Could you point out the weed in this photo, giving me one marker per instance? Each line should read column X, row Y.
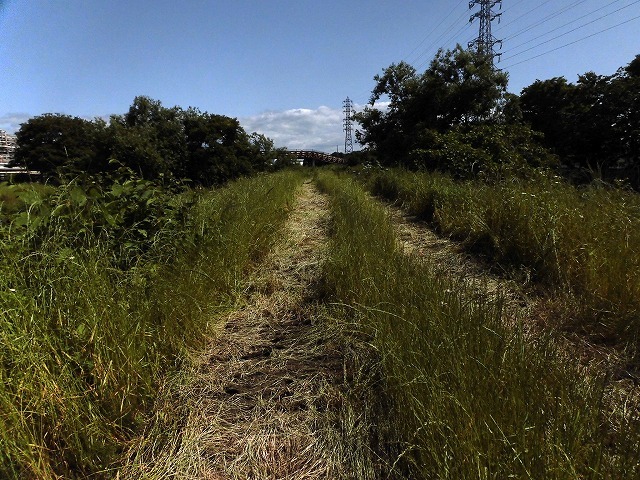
column 585, row 242
column 472, row 395
column 89, row 324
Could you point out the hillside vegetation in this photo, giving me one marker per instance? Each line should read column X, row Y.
column 472, row 395
column 102, row 290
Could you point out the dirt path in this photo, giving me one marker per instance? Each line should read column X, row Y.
column 419, row 240
column 263, row 400
column 268, row 377
column 523, row 302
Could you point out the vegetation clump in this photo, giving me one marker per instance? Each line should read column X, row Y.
column 583, row 242
column 472, row 394
column 160, row 144
column 457, row 117
column 103, row 288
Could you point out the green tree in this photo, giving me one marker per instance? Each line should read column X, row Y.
column 55, row 144
column 548, row 107
column 593, row 125
column 633, row 69
column 264, row 154
column 625, row 91
column 460, row 87
column 218, row 149
column 492, row 152
column 149, row 139
column 155, row 142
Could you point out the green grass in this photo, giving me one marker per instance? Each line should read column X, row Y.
column 85, row 340
column 10, row 195
column 472, row 396
column 584, row 242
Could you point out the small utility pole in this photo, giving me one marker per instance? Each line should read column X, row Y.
column 486, row 42
column 348, row 129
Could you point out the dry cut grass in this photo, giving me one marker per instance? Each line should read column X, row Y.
column 264, row 399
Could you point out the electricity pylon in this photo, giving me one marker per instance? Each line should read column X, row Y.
column 486, row 42
column 348, row 129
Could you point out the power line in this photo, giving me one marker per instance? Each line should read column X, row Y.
column 565, row 33
column 429, row 49
column 447, row 42
column 530, row 11
column 574, row 42
column 527, row 28
column 511, row 6
column 524, row 30
column 435, row 29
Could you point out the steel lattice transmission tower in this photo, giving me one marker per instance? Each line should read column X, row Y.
column 486, row 42
column 348, row 129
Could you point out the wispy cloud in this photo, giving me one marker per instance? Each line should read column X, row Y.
column 10, row 122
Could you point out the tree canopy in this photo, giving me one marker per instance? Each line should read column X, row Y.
column 460, row 87
column 156, row 142
column 594, row 124
column 50, row 142
column 457, row 116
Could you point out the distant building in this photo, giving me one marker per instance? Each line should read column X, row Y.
column 7, row 147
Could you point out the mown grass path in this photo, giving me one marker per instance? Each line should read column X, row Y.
column 522, row 300
column 262, row 400
column 418, row 239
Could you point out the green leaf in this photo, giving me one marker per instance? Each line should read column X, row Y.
column 81, row 330
column 21, row 220
column 117, row 189
column 78, row 196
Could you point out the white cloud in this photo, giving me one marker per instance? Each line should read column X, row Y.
column 303, row 128
column 300, row 128
column 10, row 122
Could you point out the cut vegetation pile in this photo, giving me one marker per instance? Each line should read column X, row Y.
column 263, row 399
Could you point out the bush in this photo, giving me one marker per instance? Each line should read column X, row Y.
column 490, row 152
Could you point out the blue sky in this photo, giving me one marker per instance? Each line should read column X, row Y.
column 282, row 67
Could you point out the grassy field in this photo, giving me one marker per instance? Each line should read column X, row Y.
column 105, row 289
column 471, row 396
column 583, row 242
column 102, row 290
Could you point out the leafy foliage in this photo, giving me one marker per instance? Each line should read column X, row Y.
column 103, row 289
column 447, row 118
column 491, row 152
column 593, row 125
column 53, row 142
column 157, row 143
column 459, row 88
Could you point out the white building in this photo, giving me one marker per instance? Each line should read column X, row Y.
column 7, row 147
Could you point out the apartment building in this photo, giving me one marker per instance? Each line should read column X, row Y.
column 7, row 147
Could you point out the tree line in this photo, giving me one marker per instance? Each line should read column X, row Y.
column 458, row 117
column 155, row 142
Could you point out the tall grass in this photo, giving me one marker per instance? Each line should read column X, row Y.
column 586, row 242
column 472, row 397
column 84, row 341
